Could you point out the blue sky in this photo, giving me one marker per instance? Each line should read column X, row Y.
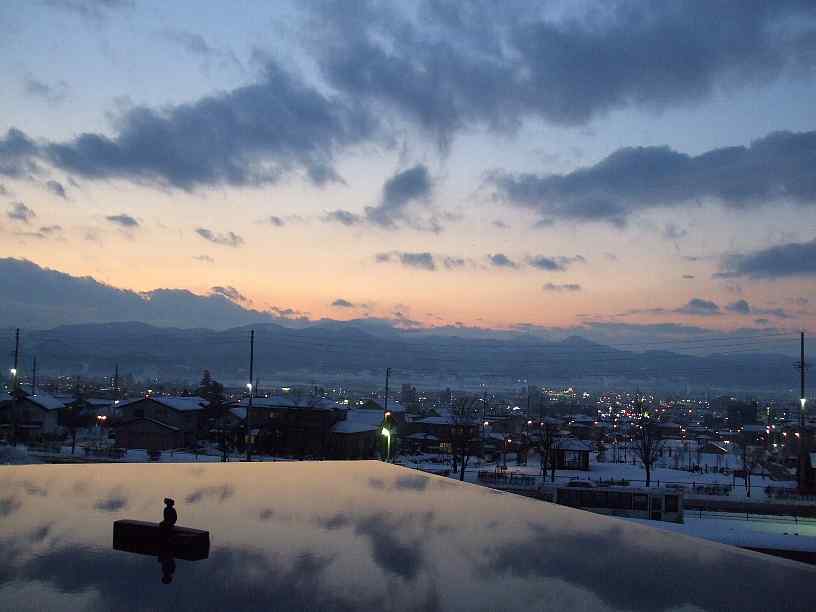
column 386, row 154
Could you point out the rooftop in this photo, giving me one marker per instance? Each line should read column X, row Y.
column 355, row 535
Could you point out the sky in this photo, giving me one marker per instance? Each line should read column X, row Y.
column 478, row 165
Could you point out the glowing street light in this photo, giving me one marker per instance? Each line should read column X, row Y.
column 13, row 371
column 387, row 433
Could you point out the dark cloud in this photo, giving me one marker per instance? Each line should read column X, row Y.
column 343, row 217
column 276, row 221
column 453, row 65
column 569, row 287
column 554, row 264
column 688, row 276
column 20, row 212
column 123, row 220
column 341, row 303
column 739, row 307
column 784, row 260
column 229, row 239
column 697, row 306
column 231, row 293
column 45, row 231
column 500, row 260
column 218, row 493
column 17, row 152
column 9, row 505
column 455, row 262
column 422, row 261
column 672, row 232
column 252, row 135
column 112, row 503
column 775, row 168
column 56, row 188
column 400, row 191
column 53, row 94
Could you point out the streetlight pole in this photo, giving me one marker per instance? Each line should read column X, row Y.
column 387, row 433
column 249, row 386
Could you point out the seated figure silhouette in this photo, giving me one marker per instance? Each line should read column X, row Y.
column 170, row 514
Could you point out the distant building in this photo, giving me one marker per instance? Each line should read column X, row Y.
column 149, row 434
column 184, row 414
column 30, row 415
column 571, row 454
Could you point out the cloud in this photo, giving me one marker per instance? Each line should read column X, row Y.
column 775, row 168
column 229, row 239
column 554, row 264
column 249, row 136
column 343, row 217
column 56, row 188
column 17, row 152
column 231, row 293
column 421, row 261
column 451, row 66
column 761, row 321
column 500, row 224
column 53, row 94
column 500, row 260
column 672, row 232
column 123, row 220
column 341, row 303
column 399, row 191
column 195, row 44
column 688, row 276
column 739, row 307
column 45, row 232
column 569, row 287
column 697, row 306
column 204, row 259
column 20, row 212
column 781, row 261
column 96, row 11
column 276, row 221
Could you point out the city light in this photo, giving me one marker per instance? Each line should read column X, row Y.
column 13, row 371
column 385, row 432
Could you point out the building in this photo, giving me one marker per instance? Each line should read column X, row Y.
column 571, row 454
column 149, row 434
column 185, row 414
column 30, row 415
column 357, row 435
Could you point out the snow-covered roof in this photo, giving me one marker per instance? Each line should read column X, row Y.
column 149, row 420
column 571, row 444
column 47, row 401
column 393, row 405
column 182, row 404
column 292, row 401
column 423, row 436
column 239, row 411
column 358, row 421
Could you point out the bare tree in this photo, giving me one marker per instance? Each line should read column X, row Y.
column 646, row 440
column 464, row 432
column 750, row 457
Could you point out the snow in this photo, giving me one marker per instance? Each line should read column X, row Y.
column 291, row 401
column 47, row 401
column 772, row 532
column 358, row 421
column 179, row 403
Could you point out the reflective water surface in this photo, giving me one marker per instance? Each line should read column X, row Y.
column 349, row 536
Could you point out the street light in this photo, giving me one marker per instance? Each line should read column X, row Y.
column 387, row 433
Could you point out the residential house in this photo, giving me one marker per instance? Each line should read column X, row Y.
column 182, row 413
column 30, row 415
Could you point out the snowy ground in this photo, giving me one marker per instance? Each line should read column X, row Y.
column 634, row 474
column 773, row 532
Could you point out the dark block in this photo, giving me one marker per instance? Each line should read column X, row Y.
column 146, row 538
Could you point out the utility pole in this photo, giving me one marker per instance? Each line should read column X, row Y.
column 801, row 365
column 14, row 388
column 116, row 382
column 249, row 407
column 34, row 376
column 387, row 377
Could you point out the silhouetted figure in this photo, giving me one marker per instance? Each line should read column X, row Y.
column 170, row 514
